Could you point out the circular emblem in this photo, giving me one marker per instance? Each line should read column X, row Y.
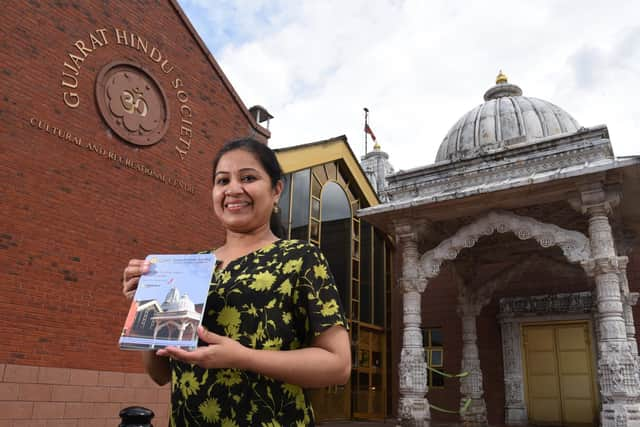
column 132, row 103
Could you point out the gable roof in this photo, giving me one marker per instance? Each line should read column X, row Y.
column 305, row 156
column 216, row 68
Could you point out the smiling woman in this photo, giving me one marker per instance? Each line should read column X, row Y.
column 274, row 323
column 245, row 192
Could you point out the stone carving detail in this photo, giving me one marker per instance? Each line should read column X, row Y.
column 579, row 302
column 574, row 245
column 413, row 285
column 515, row 407
column 469, row 306
column 618, row 372
column 413, row 407
column 617, row 364
column 619, row 415
column 513, row 391
column 407, row 239
column 132, row 103
column 611, row 265
column 413, row 371
column 449, row 181
column 414, row 412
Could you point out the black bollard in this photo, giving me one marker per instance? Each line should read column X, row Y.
column 136, row 416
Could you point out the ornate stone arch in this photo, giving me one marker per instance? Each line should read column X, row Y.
column 575, row 245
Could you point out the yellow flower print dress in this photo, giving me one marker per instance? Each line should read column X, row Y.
column 276, row 298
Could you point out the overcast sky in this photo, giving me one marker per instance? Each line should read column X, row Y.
column 420, row 65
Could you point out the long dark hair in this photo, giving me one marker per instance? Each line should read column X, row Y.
column 268, row 161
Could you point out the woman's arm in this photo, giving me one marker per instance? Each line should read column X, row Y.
column 327, row 361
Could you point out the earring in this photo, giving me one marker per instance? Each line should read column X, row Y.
column 276, row 209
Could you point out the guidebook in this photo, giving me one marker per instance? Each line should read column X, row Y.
column 168, row 305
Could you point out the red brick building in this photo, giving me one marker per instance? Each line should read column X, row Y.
column 85, row 188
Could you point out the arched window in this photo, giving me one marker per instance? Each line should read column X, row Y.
column 319, row 204
column 335, row 236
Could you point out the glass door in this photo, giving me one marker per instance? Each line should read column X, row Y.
column 369, row 379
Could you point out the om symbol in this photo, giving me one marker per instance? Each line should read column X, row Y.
column 133, row 102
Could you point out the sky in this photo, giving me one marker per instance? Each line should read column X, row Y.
column 419, row 65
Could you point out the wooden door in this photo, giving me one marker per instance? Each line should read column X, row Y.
column 369, row 378
column 559, row 374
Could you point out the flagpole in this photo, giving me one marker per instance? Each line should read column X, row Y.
column 366, row 118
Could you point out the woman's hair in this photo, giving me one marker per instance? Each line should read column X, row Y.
column 268, row 161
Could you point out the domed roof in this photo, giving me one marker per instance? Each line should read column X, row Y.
column 505, row 119
column 175, row 302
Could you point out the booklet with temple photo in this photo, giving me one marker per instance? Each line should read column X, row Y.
column 168, row 305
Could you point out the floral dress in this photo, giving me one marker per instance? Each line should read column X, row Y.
column 276, row 298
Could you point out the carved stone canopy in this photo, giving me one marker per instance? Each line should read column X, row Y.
column 574, row 245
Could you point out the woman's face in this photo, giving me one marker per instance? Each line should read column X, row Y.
column 243, row 197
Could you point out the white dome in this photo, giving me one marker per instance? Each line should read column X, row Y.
column 175, row 302
column 505, row 119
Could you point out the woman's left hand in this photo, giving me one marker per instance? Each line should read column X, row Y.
column 222, row 352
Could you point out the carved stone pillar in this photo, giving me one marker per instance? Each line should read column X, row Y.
column 471, row 386
column 515, row 409
column 413, row 407
column 617, row 366
column 624, row 246
column 629, row 299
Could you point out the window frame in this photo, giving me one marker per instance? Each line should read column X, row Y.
column 429, row 349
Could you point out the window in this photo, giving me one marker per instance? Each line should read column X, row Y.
column 285, row 199
column 300, row 205
column 434, row 355
column 335, row 241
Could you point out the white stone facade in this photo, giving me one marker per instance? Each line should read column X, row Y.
column 565, row 175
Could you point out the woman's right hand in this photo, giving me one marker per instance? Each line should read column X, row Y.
column 131, row 276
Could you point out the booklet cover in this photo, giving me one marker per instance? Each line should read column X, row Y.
column 168, row 305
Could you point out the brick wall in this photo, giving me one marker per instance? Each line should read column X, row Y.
column 38, row 396
column 74, row 212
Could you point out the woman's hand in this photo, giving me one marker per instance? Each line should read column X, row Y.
column 326, row 362
column 222, row 352
column 131, row 276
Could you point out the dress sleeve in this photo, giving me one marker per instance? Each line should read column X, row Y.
column 316, row 297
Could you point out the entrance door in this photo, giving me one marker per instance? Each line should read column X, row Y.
column 369, row 381
column 559, row 373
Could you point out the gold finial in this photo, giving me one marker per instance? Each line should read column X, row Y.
column 501, row 78
column 376, row 146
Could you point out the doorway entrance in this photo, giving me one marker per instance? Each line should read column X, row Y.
column 559, row 370
column 369, row 382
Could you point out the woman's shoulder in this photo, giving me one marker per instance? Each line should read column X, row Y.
column 298, row 247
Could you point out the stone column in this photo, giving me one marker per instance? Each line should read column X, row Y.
column 471, row 385
column 515, row 409
column 617, row 366
column 629, row 299
column 413, row 407
column 624, row 246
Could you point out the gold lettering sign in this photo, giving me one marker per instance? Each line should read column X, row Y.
column 139, row 112
column 65, row 136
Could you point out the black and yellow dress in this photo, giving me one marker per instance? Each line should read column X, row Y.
column 276, row 298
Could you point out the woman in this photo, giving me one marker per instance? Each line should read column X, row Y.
column 273, row 323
